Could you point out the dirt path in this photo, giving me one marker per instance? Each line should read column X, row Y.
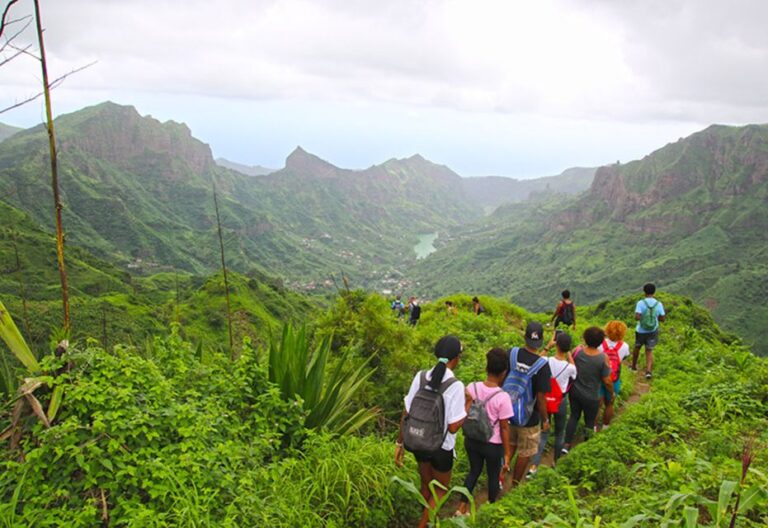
column 641, row 386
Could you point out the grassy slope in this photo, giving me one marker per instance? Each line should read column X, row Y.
column 684, row 437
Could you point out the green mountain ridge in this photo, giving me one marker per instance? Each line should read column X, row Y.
column 7, row 131
column 690, row 217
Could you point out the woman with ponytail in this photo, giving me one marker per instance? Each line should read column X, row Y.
column 437, row 464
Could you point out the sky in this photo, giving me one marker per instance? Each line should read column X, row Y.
column 486, row 87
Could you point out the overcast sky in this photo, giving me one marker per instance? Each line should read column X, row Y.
column 484, row 86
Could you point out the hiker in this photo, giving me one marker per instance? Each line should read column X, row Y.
column 398, row 307
column 565, row 311
column 435, row 392
column 584, row 396
column 527, row 384
column 414, row 311
column 476, row 306
column 617, row 351
column 450, row 308
column 563, row 371
column 486, row 428
column 648, row 313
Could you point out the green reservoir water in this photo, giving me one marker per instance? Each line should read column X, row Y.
column 425, row 245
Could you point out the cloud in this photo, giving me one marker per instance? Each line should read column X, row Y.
column 676, row 60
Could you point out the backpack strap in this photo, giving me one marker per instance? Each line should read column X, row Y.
column 513, row 358
column 445, row 384
column 422, row 379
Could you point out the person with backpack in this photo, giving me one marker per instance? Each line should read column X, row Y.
column 414, row 311
column 592, row 369
column 398, row 307
column 617, row 351
column 565, row 311
column 563, row 371
column 486, row 428
column 434, row 412
column 527, row 384
column 648, row 313
column 477, row 307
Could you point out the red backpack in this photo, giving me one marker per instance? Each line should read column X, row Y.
column 555, row 395
column 613, row 358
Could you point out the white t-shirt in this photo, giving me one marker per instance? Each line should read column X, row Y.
column 454, row 403
column 623, row 351
column 562, row 371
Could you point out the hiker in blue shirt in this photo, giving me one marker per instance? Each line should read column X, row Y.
column 648, row 313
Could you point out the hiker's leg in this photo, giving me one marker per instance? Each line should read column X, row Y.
column 528, row 444
column 560, row 418
column 426, row 474
column 494, row 455
column 635, row 354
column 476, row 458
column 608, row 413
column 648, row 359
column 543, row 438
column 590, row 413
column 573, row 420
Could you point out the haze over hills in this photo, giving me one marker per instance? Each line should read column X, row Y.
column 492, row 191
column 7, row 131
column 248, row 170
column 690, row 217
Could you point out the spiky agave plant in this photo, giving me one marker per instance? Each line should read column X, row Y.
column 328, row 395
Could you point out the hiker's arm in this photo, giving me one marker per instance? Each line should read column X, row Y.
column 662, row 318
column 569, row 356
column 637, row 316
column 504, row 427
column 399, row 450
column 541, row 400
column 467, row 400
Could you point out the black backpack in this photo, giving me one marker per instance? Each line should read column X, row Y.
column 415, row 312
column 567, row 316
column 424, row 427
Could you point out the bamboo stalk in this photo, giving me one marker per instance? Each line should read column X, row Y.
column 224, row 269
column 54, row 170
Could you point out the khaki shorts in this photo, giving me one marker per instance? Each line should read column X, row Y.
column 524, row 439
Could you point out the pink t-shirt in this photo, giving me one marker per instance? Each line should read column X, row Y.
column 498, row 408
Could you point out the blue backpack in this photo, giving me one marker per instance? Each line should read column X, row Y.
column 519, row 386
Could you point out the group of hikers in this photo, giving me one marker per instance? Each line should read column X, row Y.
column 526, row 393
column 413, row 308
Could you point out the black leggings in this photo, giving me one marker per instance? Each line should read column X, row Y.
column 490, row 454
column 580, row 404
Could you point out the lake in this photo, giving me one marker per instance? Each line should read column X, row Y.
column 425, row 245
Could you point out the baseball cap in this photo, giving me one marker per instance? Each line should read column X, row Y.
column 534, row 335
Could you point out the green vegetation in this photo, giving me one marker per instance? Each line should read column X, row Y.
column 690, row 217
column 175, row 434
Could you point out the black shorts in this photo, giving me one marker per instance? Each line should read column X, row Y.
column 441, row 460
column 648, row 340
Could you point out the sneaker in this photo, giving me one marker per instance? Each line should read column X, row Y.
column 531, row 472
column 648, row 375
column 501, row 484
column 564, row 451
column 633, row 368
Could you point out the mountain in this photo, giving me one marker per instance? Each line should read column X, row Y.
column 489, row 192
column 248, row 170
column 7, row 131
column 139, row 193
column 691, row 217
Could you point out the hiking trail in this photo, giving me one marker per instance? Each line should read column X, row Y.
column 641, row 387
